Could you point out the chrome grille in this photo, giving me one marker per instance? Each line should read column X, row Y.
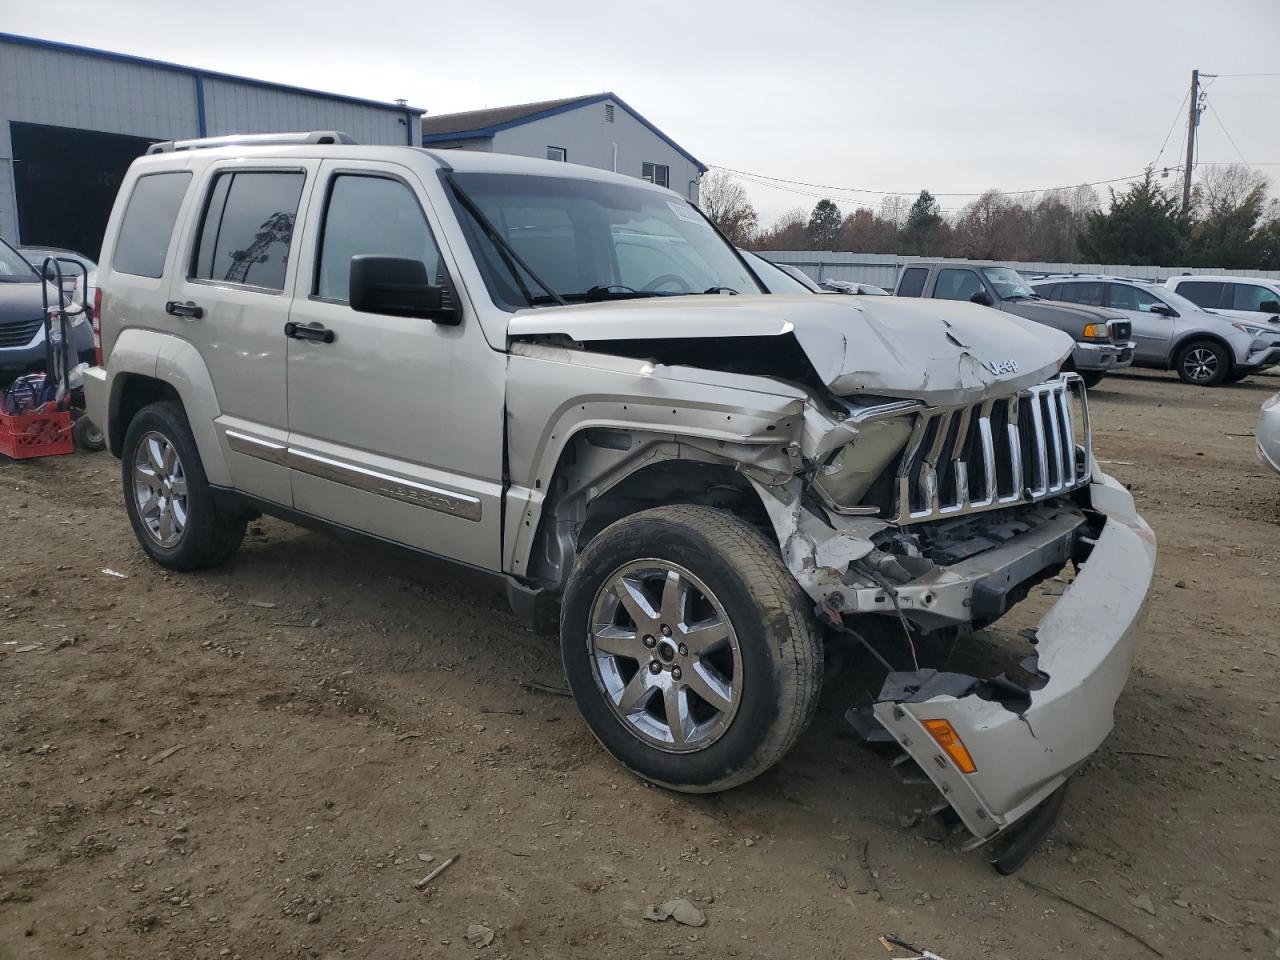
column 19, row 333
column 1004, row 451
column 1121, row 330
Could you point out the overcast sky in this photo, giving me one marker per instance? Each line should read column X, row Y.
column 894, row 95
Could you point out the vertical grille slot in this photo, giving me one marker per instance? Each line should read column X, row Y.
column 995, row 453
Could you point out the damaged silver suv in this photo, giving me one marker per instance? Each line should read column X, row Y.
column 568, row 378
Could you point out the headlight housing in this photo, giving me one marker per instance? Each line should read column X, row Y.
column 1098, row 331
column 1253, row 331
column 845, row 479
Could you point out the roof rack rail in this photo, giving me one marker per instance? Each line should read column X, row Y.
column 253, row 140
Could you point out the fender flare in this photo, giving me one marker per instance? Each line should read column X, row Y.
column 177, row 364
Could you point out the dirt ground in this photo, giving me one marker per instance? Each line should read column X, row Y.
column 254, row 762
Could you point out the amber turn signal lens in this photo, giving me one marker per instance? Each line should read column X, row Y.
column 1097, row 330
column 947, row 739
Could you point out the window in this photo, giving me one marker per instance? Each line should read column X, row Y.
column 608, row 113
column 1203, row 293
column 247, row 228
column 956, row 285
column 1086, row 292
column 557, row 153
column 370, row 215
column 1250, row 296
column 912, row 282
column 658, row 173
column 1125, row 297
column 1047, row 290
column 147, row 227
column 15, row 268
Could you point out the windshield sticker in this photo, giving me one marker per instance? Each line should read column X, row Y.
column 684, row 211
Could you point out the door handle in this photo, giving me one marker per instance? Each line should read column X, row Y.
column 317, row 333
column 191, row 310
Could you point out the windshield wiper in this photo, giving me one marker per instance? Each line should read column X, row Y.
column 597, row 294
column 507, row 251
column 729, row 290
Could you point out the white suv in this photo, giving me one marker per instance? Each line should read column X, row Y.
column 1256, row 299
column 542, row 371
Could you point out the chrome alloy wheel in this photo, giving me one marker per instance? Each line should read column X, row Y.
column 665, row 655
column 1200, row 364
column 160, row 489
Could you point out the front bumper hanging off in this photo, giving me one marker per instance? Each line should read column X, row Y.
column 1021, row 754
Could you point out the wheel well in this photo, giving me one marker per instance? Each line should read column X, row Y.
column 135, row 393
column 576, row 512
column 1195, row 337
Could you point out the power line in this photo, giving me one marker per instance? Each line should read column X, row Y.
column 1230, row 139
column 1176, row 117
column 1237, row 76
column 768, row 181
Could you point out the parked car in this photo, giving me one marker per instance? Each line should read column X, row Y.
column 530, row 368
column 851, row 287
column 1268, row 433
column 69, row 258
column 1204, row 347
column 22, row 343
column 1243, row 298
column 779, row 277
column 1102, row 337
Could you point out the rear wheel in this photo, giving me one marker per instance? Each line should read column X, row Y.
column 174, row 513
column 1203, row 363
column 87, row 436
column 690, row 649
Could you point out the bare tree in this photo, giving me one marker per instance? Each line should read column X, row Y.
column 1225, row 188
column 724, row 200
column 786, row 233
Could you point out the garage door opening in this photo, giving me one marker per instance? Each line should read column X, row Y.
column 66, row 181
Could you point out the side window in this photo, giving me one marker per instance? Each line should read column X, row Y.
column 1203, row 293
column 1047, row 290
column 147, row 225
column 912, row 282
column 1125, row 297
column 247, row 227
column 1250, row 296
column 374, row 215
column 956, row 285
column 1086, row 292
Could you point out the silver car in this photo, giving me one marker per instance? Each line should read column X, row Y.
column 1268, row 433
column 1202, row 346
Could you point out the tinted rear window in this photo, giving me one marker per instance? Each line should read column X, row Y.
column 148, row 223
column 1047, row 290
column 1086, row 292
column 247, row 228
column 1250, row 296
column 912, row 282
column 1203, row 293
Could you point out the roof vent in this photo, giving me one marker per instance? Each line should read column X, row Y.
column 608, row 113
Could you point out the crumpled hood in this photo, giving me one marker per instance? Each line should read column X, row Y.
column 942, row 352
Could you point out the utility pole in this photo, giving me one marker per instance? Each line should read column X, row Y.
column 1193, row 121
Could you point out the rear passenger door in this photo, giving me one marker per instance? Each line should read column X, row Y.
column 230, row 302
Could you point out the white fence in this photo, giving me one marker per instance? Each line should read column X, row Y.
column 882, row 269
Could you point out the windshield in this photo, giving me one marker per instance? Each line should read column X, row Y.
column 1008, row 283
column 587, row 240
column 14, row 269
column 1175, row 300
column 775, row 278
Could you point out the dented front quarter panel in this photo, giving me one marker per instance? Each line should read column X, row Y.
column 1085, row 645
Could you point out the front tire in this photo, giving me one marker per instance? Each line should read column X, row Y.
column 1203, row 363
column 691, row 651
column 1091, row 378
column 171, row 507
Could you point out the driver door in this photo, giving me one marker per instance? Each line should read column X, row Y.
column 1152, row 332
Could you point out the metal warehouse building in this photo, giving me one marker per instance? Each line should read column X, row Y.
column 73, row 118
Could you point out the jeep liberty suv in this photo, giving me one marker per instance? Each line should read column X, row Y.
column 568, row 378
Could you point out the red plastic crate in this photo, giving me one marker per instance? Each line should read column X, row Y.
column 24, row 436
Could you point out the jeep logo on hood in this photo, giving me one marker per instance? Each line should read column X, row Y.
column 1004, row 366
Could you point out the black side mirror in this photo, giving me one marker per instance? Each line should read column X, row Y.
column 983, row 298
column 1163, row 309
column 398, row 287
column 1269, row 306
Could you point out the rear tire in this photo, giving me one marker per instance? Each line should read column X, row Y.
column 171, row 507
column 690, row 713
column 1203, row 363
column 1091, row 378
